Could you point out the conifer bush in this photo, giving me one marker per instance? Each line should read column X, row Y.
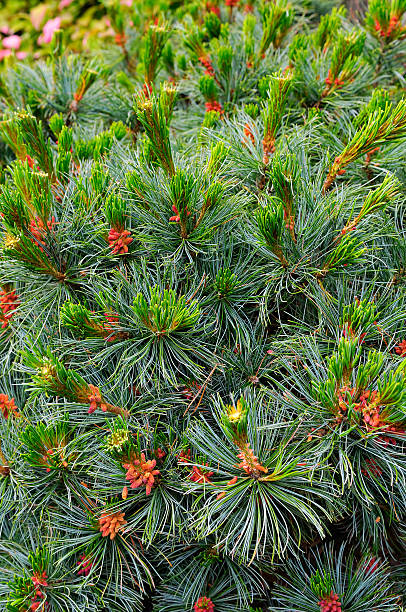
column 202, row 313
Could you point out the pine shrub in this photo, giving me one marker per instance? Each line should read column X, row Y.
column 202, row 312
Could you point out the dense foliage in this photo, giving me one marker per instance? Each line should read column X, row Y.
column 202, row 313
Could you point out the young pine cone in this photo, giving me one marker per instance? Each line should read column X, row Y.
column 110, row 524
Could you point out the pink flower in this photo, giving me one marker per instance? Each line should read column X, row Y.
column 127, row 2
column 12, row 42
column 64, row 3
column 21, row 55
column 37, row 15
column 5, row 30
column 4, row 53
column 48, row 30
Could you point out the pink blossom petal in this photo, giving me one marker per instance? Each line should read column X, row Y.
column 12, row 42
column 4, row 53
column 21, row 55
column 37, row 15
column 64, row 3
column 49, row 29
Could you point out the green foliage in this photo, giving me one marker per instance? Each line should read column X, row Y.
column 336, row 573
column 154, row 114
